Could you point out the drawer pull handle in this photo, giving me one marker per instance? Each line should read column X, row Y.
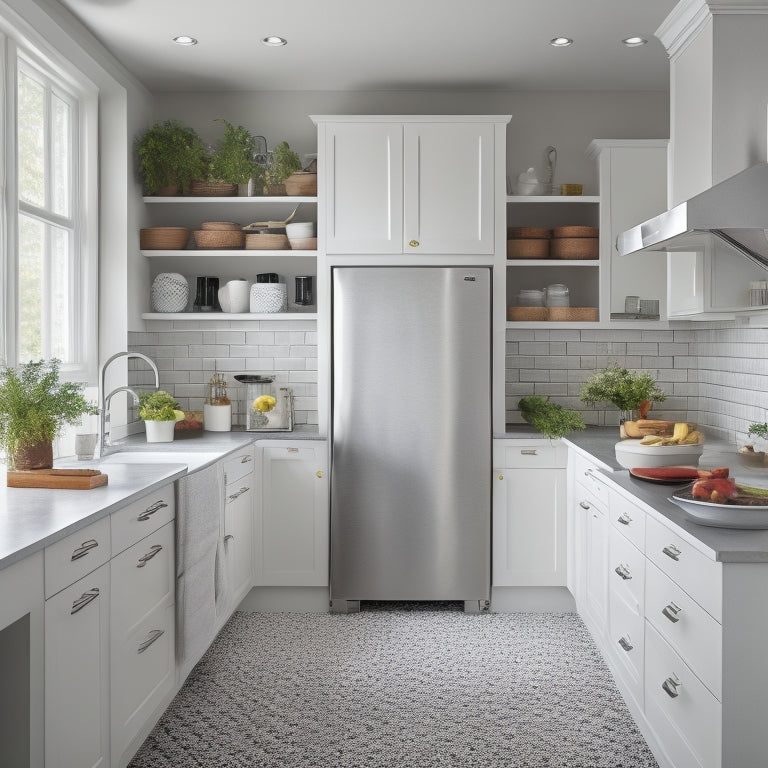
column 624, row 518
column 234, row 495
column 623, row 571
column 529, row 452
column 84, row 548
column 584, row 505
column 670, row 686
column 83, row 600
column 672, row 551
column 155, row 634
column 144, row 559
column 228, row 537
column 672, row 612
column 149, row 511
column 625, row 643
column 246, row 459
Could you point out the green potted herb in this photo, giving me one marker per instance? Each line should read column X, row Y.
column 34, row 407
column 755, row 453
column 170, row 154
column 629, row 391
column 233, row 161
column 160, row 413
column 551, row 419
column 284, row 162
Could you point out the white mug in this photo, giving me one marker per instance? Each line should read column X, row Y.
column 235, row 296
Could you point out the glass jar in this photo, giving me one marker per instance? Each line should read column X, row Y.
column 557, row 295
column 530, row 298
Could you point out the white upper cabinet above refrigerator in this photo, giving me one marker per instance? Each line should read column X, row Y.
column 418, row 186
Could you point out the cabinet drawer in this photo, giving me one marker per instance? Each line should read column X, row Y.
column 587, row 475
column 686, row 626
column 140, row 518
column 238, row 466
column 242, row 487
column 81, row 552
column 628, row 519
column 681, row 711
column 142, row 579
column 699, row 576
column 516, row 454
column 626, row 637
column 142, row 672
column 626, row 570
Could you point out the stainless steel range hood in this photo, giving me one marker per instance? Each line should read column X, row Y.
column 733, row 212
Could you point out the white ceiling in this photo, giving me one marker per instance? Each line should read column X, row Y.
column 337, row 45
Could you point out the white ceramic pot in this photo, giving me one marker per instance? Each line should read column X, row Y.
column 169, row 293
column 269, row 297
column 235, row 296
column 159, row 431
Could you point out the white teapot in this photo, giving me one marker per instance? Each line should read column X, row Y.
column 234, row 297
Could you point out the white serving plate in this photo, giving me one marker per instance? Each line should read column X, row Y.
column 723, row 515
column 630, row 454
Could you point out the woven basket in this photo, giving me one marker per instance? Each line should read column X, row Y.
column 219, row 239
column 569, row 314
column 266, row 242
column 301, row 183
column 225, row 226
column 528, row 249
column 575, row 232
column 574, row 248
column 528, row 232
column 199, row 188
column 163, row 238
column 526, row 313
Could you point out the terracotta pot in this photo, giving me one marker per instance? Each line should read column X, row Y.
column 37, row 456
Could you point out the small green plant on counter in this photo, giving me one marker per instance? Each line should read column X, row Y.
column 233, row 161
column 549, row 418
column 159, row 406
column 758, row 430
column 624, row 388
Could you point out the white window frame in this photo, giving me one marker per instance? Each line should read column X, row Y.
column 83, row 291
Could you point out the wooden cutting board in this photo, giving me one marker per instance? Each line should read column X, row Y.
column 72, row 479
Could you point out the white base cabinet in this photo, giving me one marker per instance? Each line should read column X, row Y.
column 291, row 534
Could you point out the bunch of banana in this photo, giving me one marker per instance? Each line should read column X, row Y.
column 683, row 434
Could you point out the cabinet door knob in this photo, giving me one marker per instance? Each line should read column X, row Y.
column 672, row 551
column 501, row 477
column 319, row 473
column 672, row 612
column 413, row 243
column 626, row 643
column 670, row 686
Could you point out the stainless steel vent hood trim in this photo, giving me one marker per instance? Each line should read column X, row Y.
column 735, row 211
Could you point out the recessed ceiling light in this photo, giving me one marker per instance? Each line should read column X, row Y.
column 184, row 40
column 274, row 41
column 561, row 42
column 633, row 42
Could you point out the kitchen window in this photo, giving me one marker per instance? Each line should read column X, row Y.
column 49, row 227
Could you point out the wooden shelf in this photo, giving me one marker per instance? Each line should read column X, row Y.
column 553, row 263
column 245, row 253
column 255, row 200
column 552, row 198
column 222, row 316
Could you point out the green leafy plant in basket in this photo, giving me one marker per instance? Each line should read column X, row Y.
column 551, row 419
column 233, row 162
column 169, row 155
column 284, row 162
column 34, row 407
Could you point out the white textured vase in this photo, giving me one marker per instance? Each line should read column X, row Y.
column 169, row 293
column 269, row 297
column 159, row 431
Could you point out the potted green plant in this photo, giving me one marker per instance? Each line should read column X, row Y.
column 233, row 162
column 170, row 154
column 284, row 162
column 755, row 452
column 34, row 407
column 551, row 419
column 632, row 392
column 160, row 412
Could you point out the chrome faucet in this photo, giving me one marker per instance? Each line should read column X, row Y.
column 105, row 399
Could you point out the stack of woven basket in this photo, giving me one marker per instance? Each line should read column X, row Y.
column 528, row 242
column 575, row 243
column 219, row 235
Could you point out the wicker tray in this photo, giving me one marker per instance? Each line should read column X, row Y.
column 526, row 313
column 575, row 232
column 574, row 248
column 570, row 314
column 218, row 239
column 163, row 238
column 267, row 242
column 528, row 249
column 528, row 232
column 220, row 226
column 199, row 188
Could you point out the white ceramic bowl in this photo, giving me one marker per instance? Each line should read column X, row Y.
column 630, row 454
column 300, row 229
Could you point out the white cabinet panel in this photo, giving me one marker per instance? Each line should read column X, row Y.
column 238, row 539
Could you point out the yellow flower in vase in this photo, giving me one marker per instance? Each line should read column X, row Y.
column 264, row 403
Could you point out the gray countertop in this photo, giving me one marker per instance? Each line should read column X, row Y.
column 32, row 518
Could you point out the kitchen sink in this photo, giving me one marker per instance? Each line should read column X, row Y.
column 193, row 459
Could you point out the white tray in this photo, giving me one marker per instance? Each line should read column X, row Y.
column 723, row 515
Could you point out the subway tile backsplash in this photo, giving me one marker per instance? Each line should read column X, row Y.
column 188, row 357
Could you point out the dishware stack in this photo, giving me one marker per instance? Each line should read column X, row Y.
column 302, row 235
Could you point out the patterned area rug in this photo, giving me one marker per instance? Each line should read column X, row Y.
column 423, row 687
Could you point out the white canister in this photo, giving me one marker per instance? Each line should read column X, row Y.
column 234, row 297
column 217, row 418
column 159, row 431
column 269, row 297
column 169, row 293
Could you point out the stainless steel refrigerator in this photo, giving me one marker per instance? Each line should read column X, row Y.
column 411, row 435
